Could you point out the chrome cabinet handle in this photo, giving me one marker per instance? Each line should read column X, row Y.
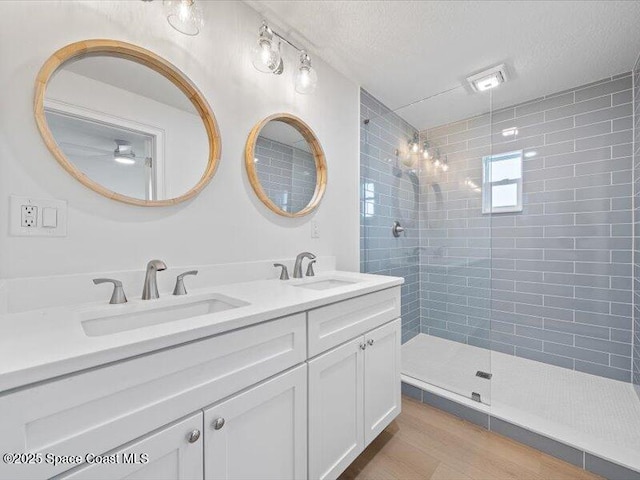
column 193, row 436
column 180, row 289
column 118, row 295
column 370, row 342
column 363, row 346
column 218, row 423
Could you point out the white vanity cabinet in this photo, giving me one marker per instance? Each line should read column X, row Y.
column 336, row 410
column 259, row 434
column 295, row 397
column 99, row 410
column 172, row 453
column 381, row 379
column 354, row 388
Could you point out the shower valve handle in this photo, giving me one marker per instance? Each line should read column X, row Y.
column 397, row 229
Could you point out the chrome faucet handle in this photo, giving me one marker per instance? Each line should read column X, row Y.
column 118, row 295
column 310, row 272
column 284, row 273
column 180, row 288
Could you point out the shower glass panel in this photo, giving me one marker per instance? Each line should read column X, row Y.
column 389, row 192
column 422, row 166
column 517, row 254
column 562, row 318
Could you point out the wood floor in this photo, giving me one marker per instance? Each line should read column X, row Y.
column 427, row 443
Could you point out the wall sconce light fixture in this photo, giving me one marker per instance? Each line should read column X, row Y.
column 439, row 161
column 306, row 77
column 414, row 144
column 266, row 58
column 426, row 154
column 265, row 54
column 185, row 16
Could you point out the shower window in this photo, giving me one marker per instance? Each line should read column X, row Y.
column 368, row 199
column 502, row 183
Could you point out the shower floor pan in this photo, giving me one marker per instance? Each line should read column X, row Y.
column 590, row 413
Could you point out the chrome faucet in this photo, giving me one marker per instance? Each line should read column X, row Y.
column 297, row 268
column 150, row 289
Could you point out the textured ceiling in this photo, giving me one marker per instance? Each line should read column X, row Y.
column 402, row 51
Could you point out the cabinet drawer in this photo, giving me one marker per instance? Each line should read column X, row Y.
column 337, row 323
column 98, row 410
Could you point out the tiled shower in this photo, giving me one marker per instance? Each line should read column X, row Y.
column 559, row 273
column 286, row 173
column 544, row 300
column 388, row 193
column 552, row 283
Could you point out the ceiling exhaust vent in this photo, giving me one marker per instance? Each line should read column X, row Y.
column 488, row 79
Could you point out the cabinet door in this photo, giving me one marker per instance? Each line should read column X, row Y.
column 336, row 435
column 173, row 453
column 381, row 379
column 261, row 433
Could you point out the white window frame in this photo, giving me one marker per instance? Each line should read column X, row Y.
column 487, row 185
column 368, row 199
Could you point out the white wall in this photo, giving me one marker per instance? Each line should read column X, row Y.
column 225, row 223
column 185, row 147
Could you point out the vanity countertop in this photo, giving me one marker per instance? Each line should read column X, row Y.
column 42, row 344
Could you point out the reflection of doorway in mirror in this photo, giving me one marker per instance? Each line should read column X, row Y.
column 125, row 157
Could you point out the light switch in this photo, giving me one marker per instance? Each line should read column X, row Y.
column 49, row 217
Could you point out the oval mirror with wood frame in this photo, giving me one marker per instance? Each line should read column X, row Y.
column 126, row 123
column 286, row 165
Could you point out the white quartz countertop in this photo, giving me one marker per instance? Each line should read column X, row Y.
column 42, row 344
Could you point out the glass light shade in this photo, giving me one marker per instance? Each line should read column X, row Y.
column 265, row 55
column 306, row 79
column 124, row 160
column 184, row 16
column 408, row 160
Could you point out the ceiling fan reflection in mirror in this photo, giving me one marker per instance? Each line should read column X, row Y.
column 124, row 153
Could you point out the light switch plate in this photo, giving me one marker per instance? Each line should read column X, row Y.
column 315, row 230
column 55, row 209
column 49, row 217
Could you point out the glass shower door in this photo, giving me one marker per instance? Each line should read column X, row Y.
column 447, row 345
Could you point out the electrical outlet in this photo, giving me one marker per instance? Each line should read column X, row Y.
column 37, row 217
column 29, row 216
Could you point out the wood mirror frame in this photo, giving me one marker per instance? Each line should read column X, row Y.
column 316, row 150
column 149, row 59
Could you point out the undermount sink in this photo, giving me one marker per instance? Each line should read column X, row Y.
column 326, row 284
column 140, row 316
